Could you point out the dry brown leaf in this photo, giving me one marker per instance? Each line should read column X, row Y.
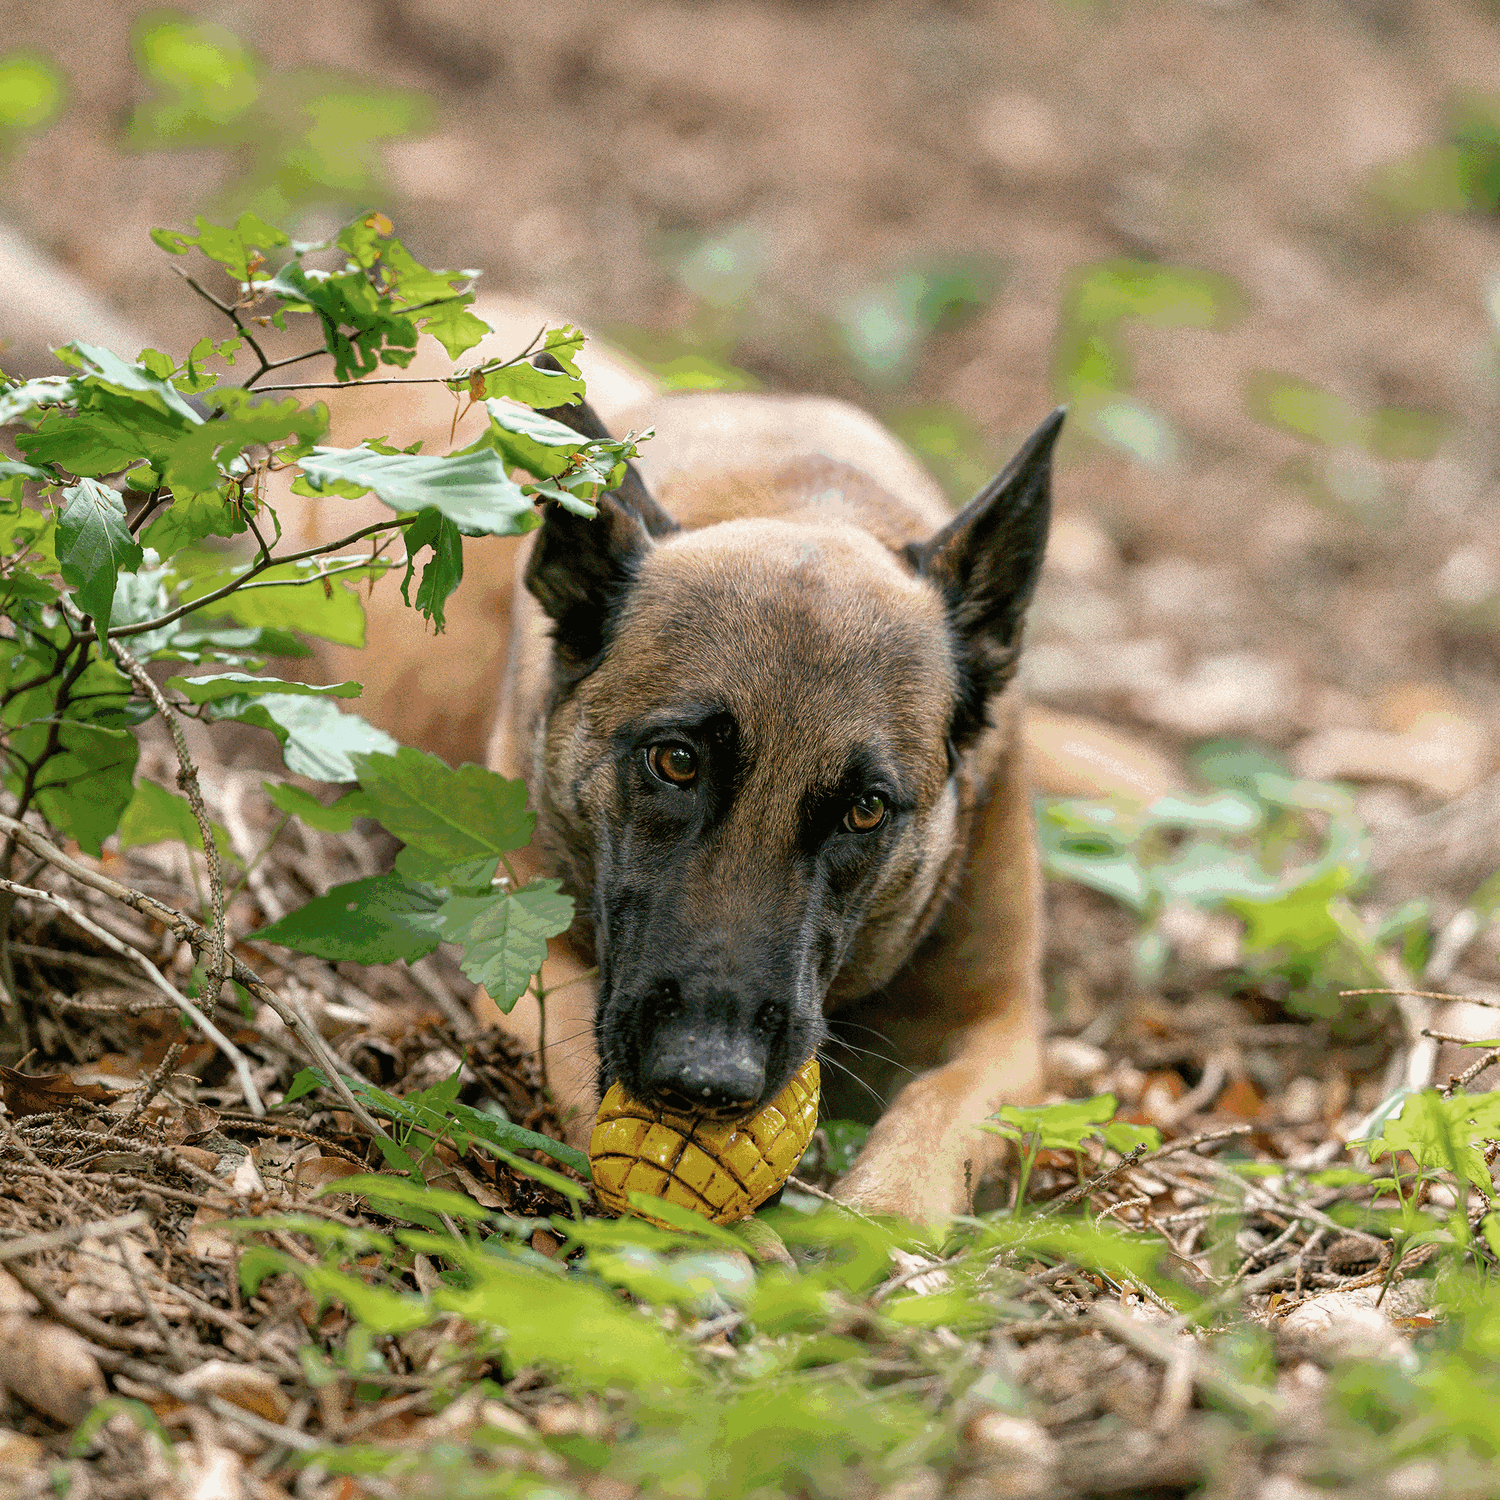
column 208, row 1160
column 250, row 1389
column 47, row 1093
column 101, row 1284
column 206, row 1238
column 49, row 1367
column 190, row 1124
column 318, row 1171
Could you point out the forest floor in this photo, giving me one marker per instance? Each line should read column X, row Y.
column 1291, row 543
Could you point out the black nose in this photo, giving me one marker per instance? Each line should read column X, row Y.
column 719, row 1081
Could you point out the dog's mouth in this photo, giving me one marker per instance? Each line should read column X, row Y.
column 675, row 1102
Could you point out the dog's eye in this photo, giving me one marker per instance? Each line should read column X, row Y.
column 866, row 814
column 673, row 763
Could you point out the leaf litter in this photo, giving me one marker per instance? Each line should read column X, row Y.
column 189, row 1298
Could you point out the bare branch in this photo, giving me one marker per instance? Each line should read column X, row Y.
column 186, row 1006
column 188, row 931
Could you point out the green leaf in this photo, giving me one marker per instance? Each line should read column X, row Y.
column 190, row 518
column 364, row 922
column 528, row 440
column 376, row 330
column 387, row 1193
column 94, row 547
column 1167, row 296
column 134, row 382
column 317, row 740
column 85, row 788
column 468, row 877
column 560, row 1323
column 450, row 814
column 31, row 92
column 525, row 383
column 473, row 490
column 155, row 814
column 301, row 594
column 221, row 685
column 1057, row 1127
column 454, row 326
column 338, row 818
column 32, row 395
column 201, row 460
column 1444, row 1133
column 504, row 935
column 209, row 78
column 443, row 573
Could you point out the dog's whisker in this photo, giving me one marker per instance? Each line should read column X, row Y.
column 833, row 1062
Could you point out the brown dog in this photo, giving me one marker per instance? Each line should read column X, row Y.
column 769, row 719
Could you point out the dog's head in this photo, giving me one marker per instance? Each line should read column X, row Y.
column 750, row 761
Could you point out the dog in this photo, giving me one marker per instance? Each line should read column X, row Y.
column 767, row 707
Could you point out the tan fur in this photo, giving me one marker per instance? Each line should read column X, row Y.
column 772, row 493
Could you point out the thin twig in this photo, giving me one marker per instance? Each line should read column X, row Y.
column 115, row 945
column 188, row 931
column 187, row 780
column 1469, row 1074
column 1131, row 1159
column 172, row 615
column 57, row 1239
column 1192, row 1142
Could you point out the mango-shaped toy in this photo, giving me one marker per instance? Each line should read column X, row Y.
column 722, row 1169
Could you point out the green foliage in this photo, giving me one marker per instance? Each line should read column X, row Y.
column 884, row 326
column 1091, row 367
column 31, row 93
column 1065, row 1127
column 457, row 826
column 103, row 528
column 299, row 137
column 1461, row 175
column 1282, row 855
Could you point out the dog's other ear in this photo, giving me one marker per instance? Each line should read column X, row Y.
column 986, row 562
column 584, row 420
column 580, row 571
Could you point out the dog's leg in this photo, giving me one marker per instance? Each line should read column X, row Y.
column 926, row 1155
column 976, row 982
column 568, row 1044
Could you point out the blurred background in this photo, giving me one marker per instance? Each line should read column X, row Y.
column 1254, row 243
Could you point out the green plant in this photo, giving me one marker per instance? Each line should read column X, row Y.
column 299, row 138
column 130, row 467
column 1282, row 855
column 1091, row 366
column 1065, row 1127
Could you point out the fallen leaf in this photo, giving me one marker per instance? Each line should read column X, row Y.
column 48, row 1093
column 49, row 1367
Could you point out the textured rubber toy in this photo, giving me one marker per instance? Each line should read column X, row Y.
column 721, row 1169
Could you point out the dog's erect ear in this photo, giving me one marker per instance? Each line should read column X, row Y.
column 986, row 562
column 580, row 570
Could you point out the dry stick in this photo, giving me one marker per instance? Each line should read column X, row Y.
column 1469, row 1074
column 188, row 931
column 187, row 780
column 1132, row 1159
column 1166, row 1348
column 1192, row 1142
column 1236, row 1294
column 81, row 1322
column 56, row 1239
column 186, row 1006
